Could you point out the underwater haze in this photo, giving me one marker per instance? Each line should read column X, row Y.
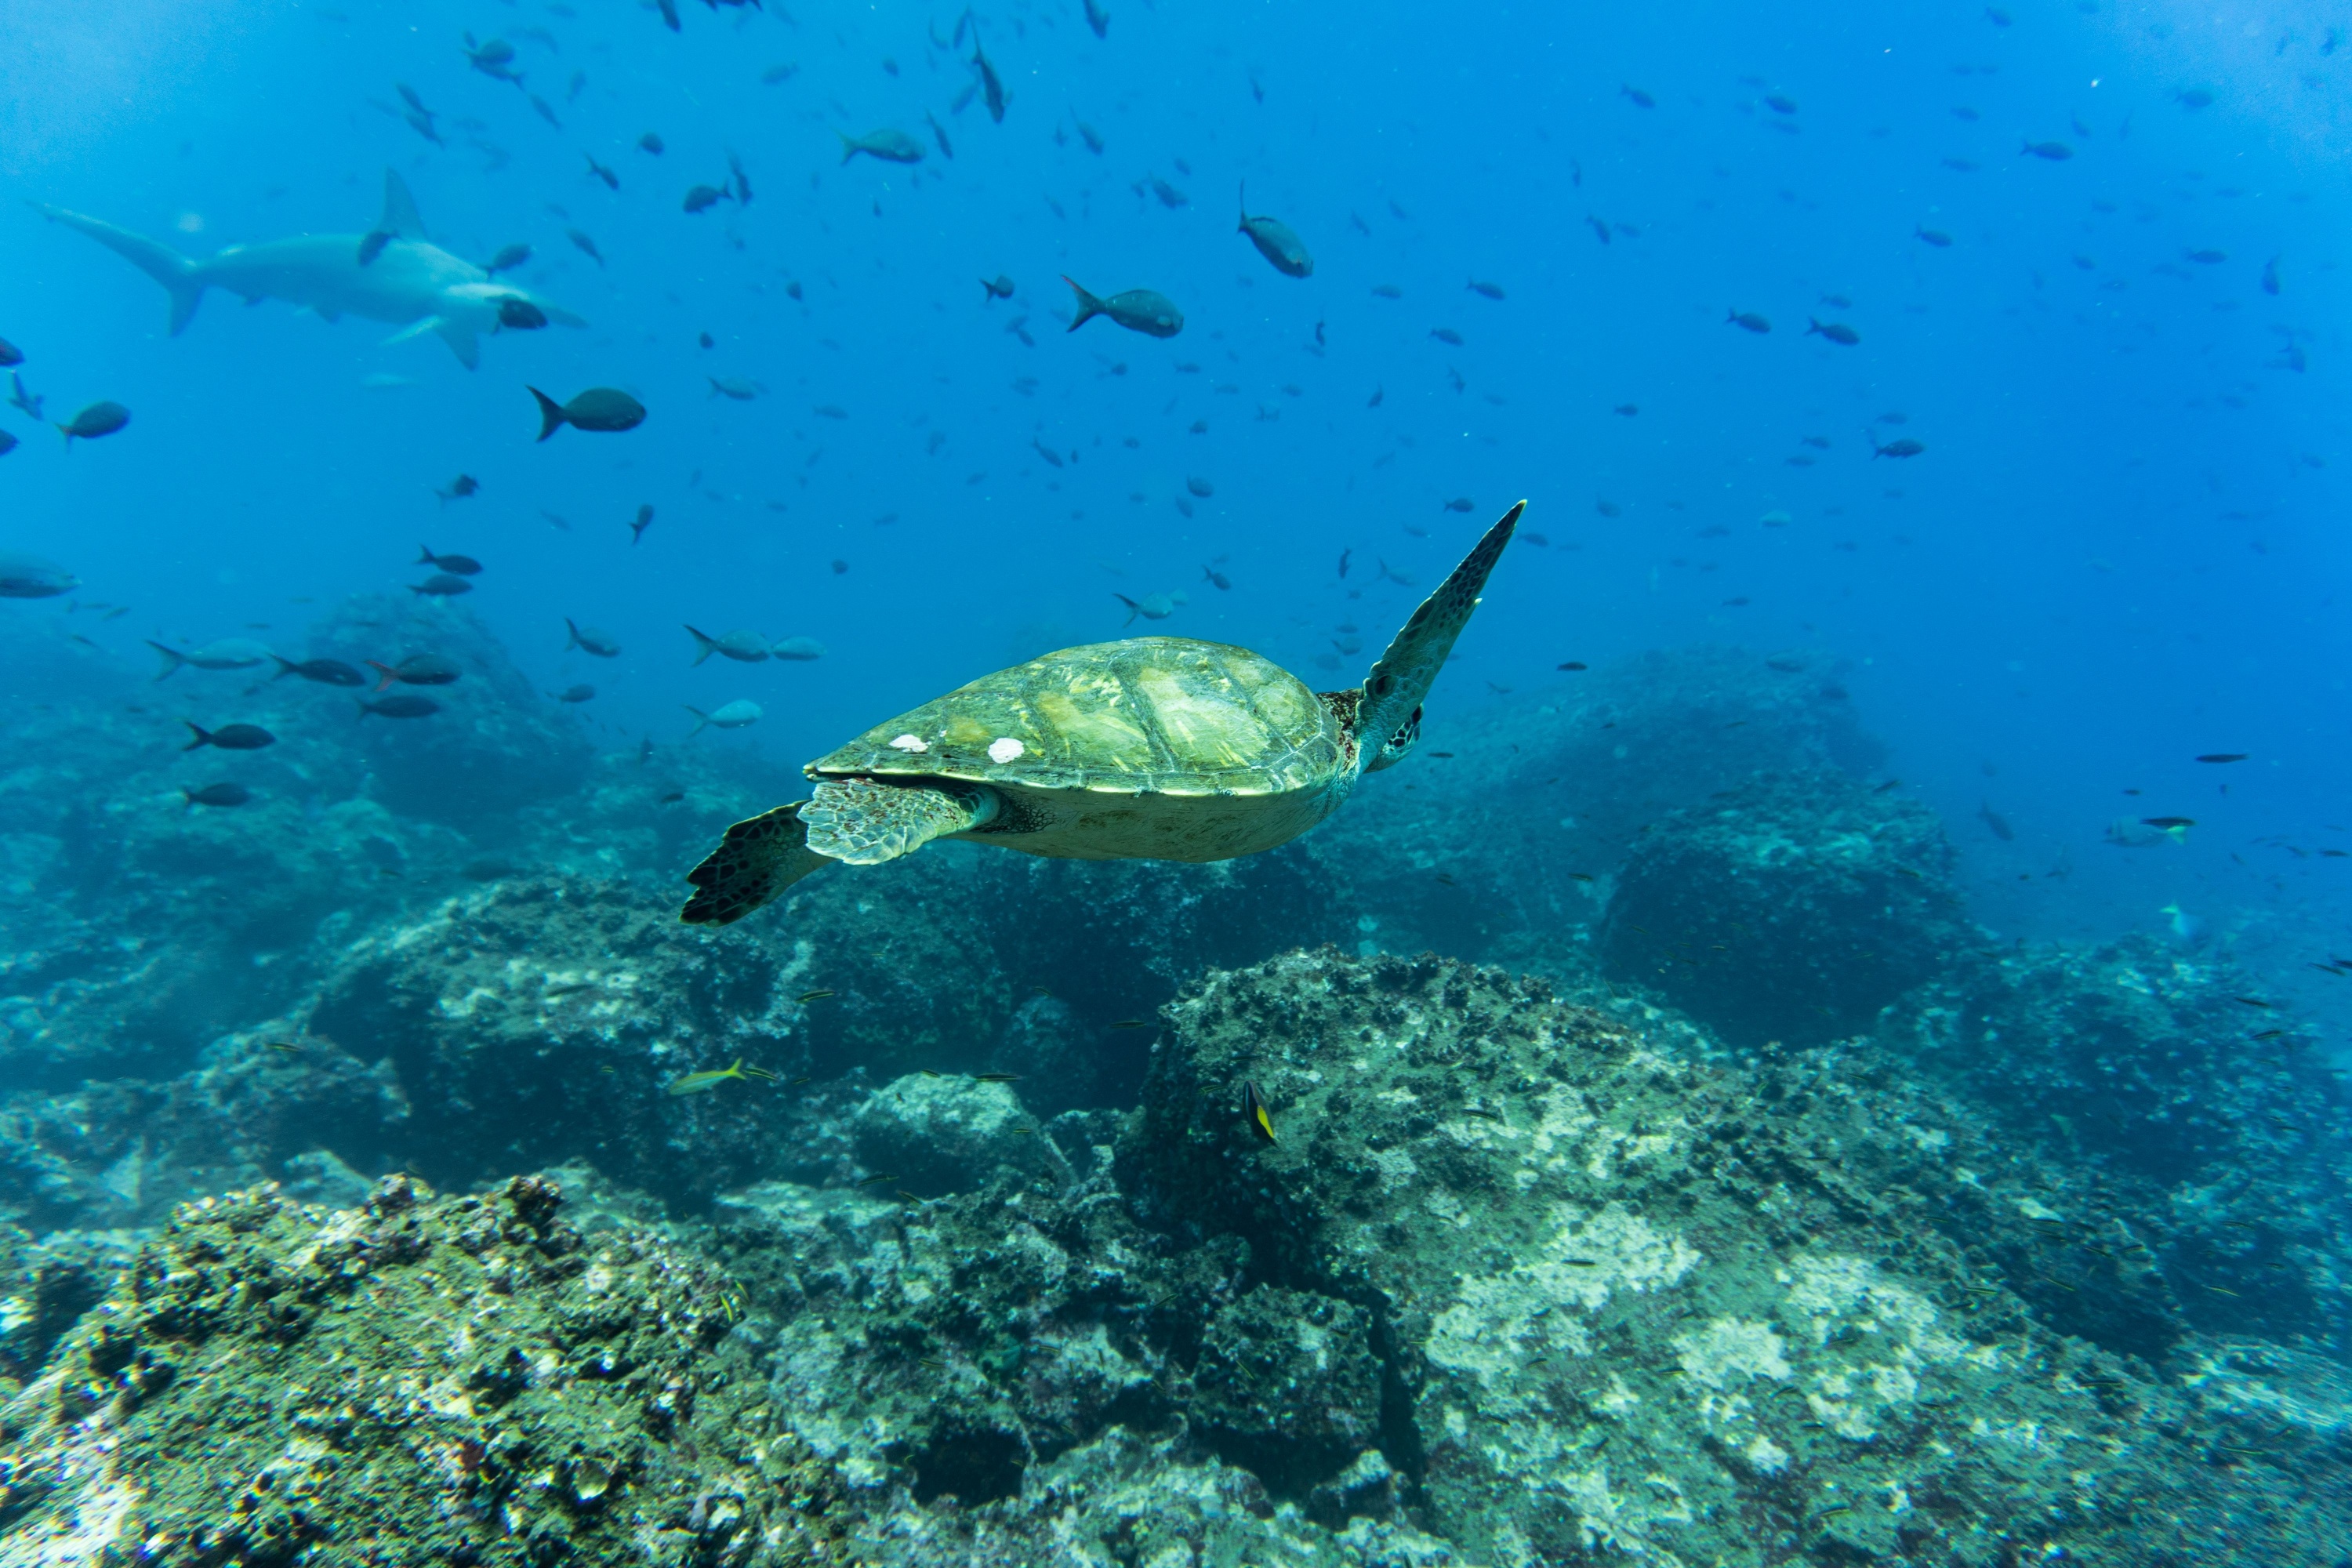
column 1830, row 1047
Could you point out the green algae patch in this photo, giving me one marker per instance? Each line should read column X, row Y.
column 418, row 1380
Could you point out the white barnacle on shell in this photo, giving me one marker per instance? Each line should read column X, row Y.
column 1004, row 749
column 910, row 743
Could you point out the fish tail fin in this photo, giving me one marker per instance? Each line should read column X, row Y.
column 551, row 413
column 703, row 647
column 848, row 145
column 1243, row 205
column 572, row 640
column 387, row 669
column 178, row 274
column 701, row 719
column 285, row 668
column 1133, row 609
column 189, row 796
column 1812, row 325
column 1089, row 306
column 425, row 557
column 361, row 717
column 172, row 660
column 203, row 736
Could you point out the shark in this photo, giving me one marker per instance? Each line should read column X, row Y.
column 392, row 273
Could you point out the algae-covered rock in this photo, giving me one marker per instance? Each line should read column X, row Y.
column 939, row 1134
column 1792, row 907
column 1628, row 1303
column 419, row 1382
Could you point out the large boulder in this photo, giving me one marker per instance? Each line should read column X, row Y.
column 1791, row 907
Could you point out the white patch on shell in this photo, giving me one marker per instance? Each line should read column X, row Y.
column 911, row 744
column 1004, row 749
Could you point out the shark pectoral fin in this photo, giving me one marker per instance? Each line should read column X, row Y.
column 399, row 209
column 460, row 339
column 415, row 328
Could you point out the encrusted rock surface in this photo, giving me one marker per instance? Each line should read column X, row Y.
column 417, row 1382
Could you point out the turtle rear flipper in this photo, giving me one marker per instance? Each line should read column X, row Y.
column 864, row 822
column 758, row 860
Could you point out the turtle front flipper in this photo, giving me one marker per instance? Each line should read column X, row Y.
column 1405, row 672
column 759, row 858
column 864, row 822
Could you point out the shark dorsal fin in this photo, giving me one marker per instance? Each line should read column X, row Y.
column 399, row 209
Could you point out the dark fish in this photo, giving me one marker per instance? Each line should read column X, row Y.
column 612, row 181
column 2056, row 151
column 1343, row 561
column 463, row 566
column 1600, row 227
column 1780, row 104
column 1260, row 1115
column 1574, row 664
column 325, row 671
column 7, row 443
column 1169, row 196
column 1459, row 503
column 1993, row 820
column 1491, row 291
column 10, row 355
column 510, row 257
column 441, row 585
column 1747, row 319
column 939, row 134
column 30, row 577
column 742, row 180
column 2224, row 756
column 1641, row 99
column 1627, row 409
column 372, row 244
column 1274, row 240
column 651, row 142
column 230, row 737
column 582, row 693
column 999, row 288
column 1906, row 447
column 1046, row 452
column 418, row 670
column 1446, row 335
column 701, row 198
column 2270, row 276
column 1836, row 332
column 890, row 146
column 1200, row 487
column 1935, row 237
column 401, row 707
column 98, row 419
column 586, row 245
column 589, row 640
column 218, row 794
column 600, row 408
column 494, row 59
column 2168, row 823
column 637, row 526
column 1090, row 136
column 1217, row 577
column 459, row 488
column 1138, row 309
column 734, row 388
column 1098, row 19
column 991, row 90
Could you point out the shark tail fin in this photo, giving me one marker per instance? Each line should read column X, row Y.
column 399, row 209
column 174, row 271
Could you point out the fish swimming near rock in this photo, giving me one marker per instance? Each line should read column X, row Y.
column 98, row 419
column 734, row 716
column 325, row 671
column 589, row 640
column 227, row 653
column 1275, row 239
column 600, row 408
column 1142, row 311
column 220, row 795
column 2129, row 833
column 1259, row 1113
column 463, row 566
column 230, row 737
column 26, row 577
column 750, row 647
column 418, row 670
column 890, row 146
column 712, row 1077
column 401, row 707
column 410, row 282
column 583, row 693
column 1152, row 606
column 1117, row 751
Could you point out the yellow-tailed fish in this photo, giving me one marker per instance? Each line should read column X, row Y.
column 1261, row 1116
column 712, row 1077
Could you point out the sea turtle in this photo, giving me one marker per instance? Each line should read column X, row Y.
column 1152, row 748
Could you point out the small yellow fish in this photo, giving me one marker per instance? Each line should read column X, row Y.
column 885, row 1176
column 289, row 1047
column 1261, row 1117
column 817, row 995
column 710, row 1077
column 798, row 1081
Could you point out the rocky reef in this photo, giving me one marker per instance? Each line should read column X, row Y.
column 415, row 1381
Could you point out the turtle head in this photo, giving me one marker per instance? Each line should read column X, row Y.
column 1389, row 705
